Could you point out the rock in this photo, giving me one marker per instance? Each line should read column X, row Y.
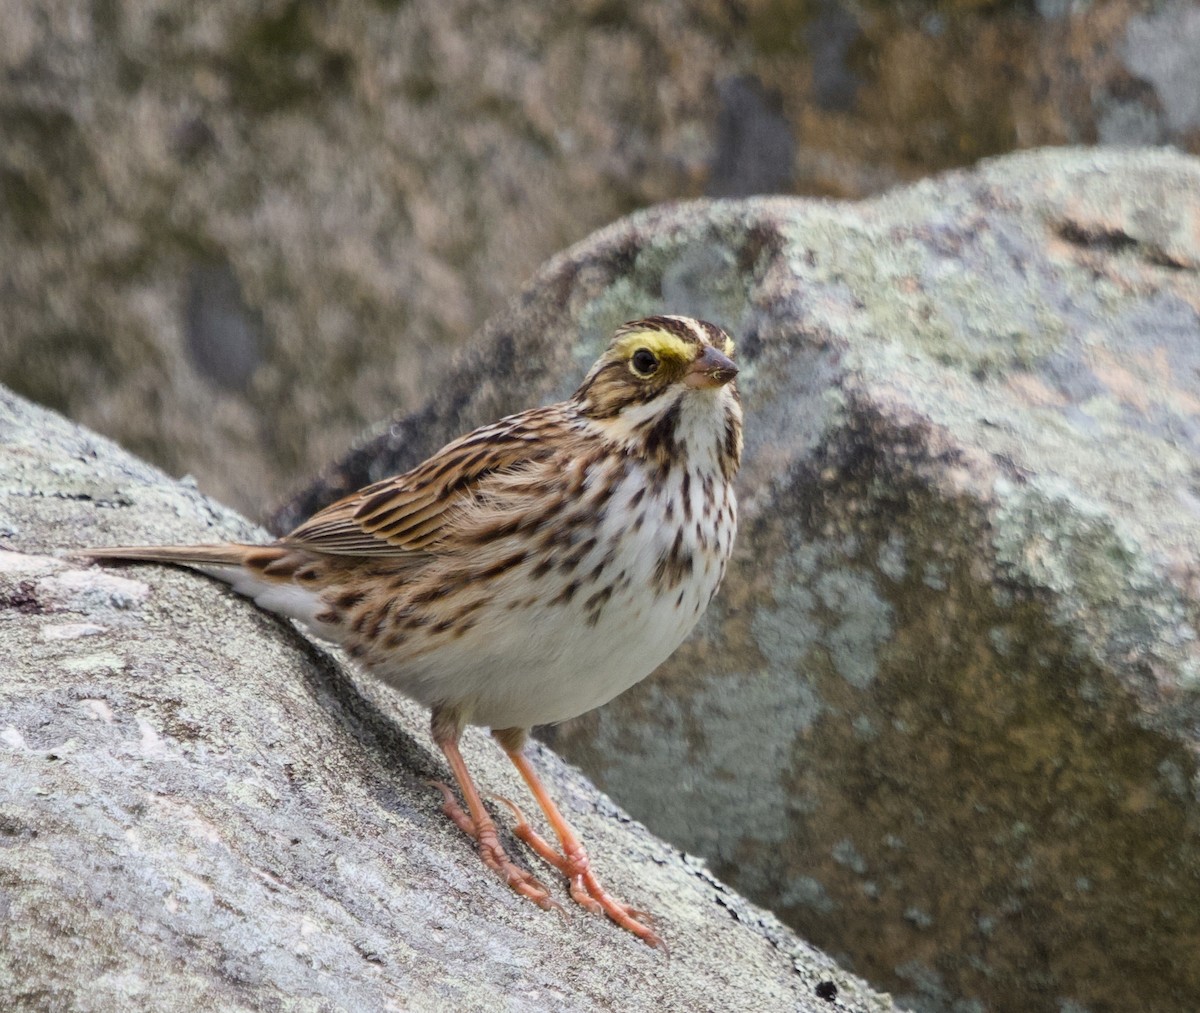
column 942, row 716
column 233, row 240
column 200, row 809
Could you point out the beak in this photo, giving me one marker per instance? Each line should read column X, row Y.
column 712, row 369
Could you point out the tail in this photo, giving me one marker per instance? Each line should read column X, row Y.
column 189, row 555
column 279, row 579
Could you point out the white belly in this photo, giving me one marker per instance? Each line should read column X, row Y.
column 540, row 664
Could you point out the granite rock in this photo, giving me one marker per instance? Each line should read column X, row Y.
column 199, row 809
column 943, row 715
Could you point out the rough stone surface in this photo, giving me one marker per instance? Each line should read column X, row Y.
column 235, row 234
column 943, row 716
column 200, row 810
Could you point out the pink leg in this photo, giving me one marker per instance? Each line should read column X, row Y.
column 573, row 862
column 479, row 825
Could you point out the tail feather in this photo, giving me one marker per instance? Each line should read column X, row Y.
column 186, row 555
column 281, row 580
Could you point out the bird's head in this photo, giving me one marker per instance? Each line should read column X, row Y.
column 657, row 360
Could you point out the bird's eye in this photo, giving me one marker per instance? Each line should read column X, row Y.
column 644, row 362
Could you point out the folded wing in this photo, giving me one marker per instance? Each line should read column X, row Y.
column 415, row 512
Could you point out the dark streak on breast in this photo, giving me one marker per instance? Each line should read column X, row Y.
column 730, row 453
column 348, row 599
column 659, row 441
column 595, row 604
column 500, row 566
column 675, row 565
column 566, row 594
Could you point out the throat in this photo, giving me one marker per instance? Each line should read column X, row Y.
column 700, row 430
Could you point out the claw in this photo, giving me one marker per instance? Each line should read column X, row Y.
column 452, row 809
column 516, row 811
column 573, row 862
column 483, row 831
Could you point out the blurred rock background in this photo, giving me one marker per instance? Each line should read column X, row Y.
column 234, row 235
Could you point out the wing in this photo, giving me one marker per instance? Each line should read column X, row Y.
column 412, row 512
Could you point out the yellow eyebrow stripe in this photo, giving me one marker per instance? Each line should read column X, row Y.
column 663, row 345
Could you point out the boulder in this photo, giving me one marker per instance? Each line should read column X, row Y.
column 199, row 809
column 236, row 234
column 943, row 715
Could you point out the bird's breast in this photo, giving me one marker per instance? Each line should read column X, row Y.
column 548, row 623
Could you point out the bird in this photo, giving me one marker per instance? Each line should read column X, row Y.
column 528, row 571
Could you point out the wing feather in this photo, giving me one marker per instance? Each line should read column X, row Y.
column 414, row 512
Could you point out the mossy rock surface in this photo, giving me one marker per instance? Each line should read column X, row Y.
column 942, row 716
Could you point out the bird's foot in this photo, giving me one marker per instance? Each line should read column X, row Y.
column 492, row 851
column 586, row 889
